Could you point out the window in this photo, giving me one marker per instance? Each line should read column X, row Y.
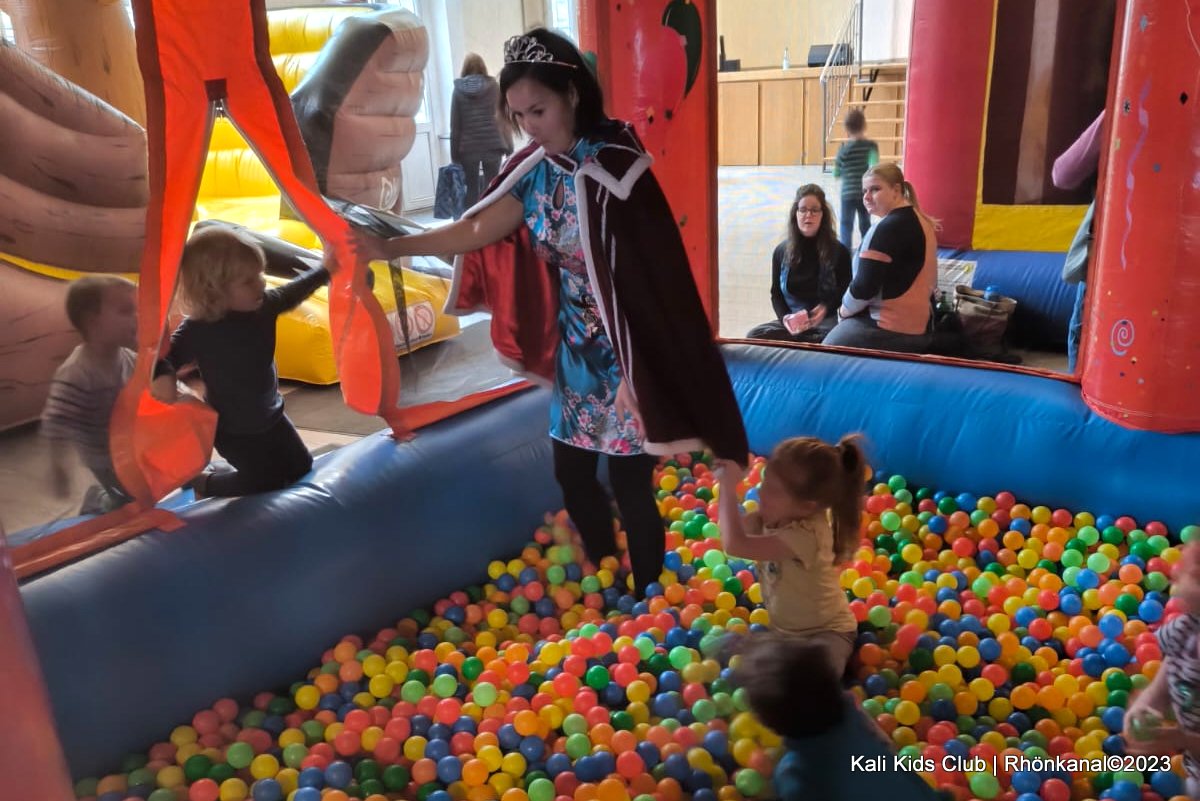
column 6, row 29
column 564, row 17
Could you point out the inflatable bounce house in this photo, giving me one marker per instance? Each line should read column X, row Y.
column 1026, row 82
column 74, row 187
column 1017, row 548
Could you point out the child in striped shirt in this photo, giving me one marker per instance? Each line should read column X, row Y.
column 1175, row 689
column 854, row 157
column 103, row 309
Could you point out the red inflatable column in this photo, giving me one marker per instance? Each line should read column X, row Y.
column 947, row 100
column 657, row 65
column 31, row 759
column 1141, row 350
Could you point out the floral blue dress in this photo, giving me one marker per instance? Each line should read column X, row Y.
column 582, row 409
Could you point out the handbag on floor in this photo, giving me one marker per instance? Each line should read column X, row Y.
column 450, row 199
column 984, row 319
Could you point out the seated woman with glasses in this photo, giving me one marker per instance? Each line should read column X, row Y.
column 810, row 271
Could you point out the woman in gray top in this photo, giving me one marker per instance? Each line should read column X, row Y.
column 477, row 141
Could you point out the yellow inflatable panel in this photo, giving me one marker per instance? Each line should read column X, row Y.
column 304, row 349
column 236, row 187
column 1042, row 228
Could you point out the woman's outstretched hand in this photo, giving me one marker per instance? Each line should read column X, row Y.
column 372, row 247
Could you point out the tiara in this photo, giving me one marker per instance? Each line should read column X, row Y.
column 527, row 50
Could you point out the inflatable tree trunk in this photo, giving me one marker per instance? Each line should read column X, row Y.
column 88, row 42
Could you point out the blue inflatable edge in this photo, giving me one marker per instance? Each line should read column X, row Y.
column 246, row 597
column 1034, row 280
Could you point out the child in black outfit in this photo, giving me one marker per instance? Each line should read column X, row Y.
column 230, row 335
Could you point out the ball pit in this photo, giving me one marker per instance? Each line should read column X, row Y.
column 987, row 628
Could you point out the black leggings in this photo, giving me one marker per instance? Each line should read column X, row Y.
column 262, row 462
column 588, row 505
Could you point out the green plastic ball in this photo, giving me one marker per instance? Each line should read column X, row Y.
column 540, row 790
column 395, row 777
column 597, row 677
column 704, row 710
column 444, row 686
column 485, row 693
column 197, row 767
column 221, row 771
column 1117, row 680
column 984, row 785
column 680, row 657
column 578, row 745
column 879, row 616
column 749, row 782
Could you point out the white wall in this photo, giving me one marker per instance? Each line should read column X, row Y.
column 887, row 27
column 482, row 26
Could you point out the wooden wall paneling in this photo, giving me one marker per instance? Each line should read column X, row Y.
column 781, row 126
column 737, row 127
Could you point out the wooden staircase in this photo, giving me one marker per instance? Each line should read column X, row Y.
column 880, row 91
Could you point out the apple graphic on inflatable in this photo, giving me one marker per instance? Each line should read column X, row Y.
column 666, row 62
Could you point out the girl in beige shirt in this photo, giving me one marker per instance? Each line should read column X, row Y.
column 806, row 525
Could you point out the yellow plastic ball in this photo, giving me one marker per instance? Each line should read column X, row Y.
column 233, row 790
column 264, row 766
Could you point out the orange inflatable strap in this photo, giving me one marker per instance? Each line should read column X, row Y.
column 89, row 537
column 192, row 56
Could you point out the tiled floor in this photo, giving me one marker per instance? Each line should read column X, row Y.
column 753, row 203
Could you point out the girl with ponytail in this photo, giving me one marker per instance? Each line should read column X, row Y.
column 807, row 524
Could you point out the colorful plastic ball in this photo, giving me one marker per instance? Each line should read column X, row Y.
column 267, row 790
column 749, row 782
column 984, row 785
column 1167, row 783
column 204, row 790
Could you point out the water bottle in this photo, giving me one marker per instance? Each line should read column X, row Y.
column 787, row 62
column 992, row 293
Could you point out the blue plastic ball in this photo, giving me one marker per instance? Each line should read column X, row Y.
column 338, row 775
column 449, row 769
column 1113, row 718
column 311, row 777
column 1150, row 611
column 266, row 790
column 1125, row 791
column 1166, row 783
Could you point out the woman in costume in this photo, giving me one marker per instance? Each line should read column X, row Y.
column 574, row 250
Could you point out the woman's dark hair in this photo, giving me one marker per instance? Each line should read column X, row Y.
column 827, row 241
column 570, row 71
column 473, row 65
column 791, row 684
